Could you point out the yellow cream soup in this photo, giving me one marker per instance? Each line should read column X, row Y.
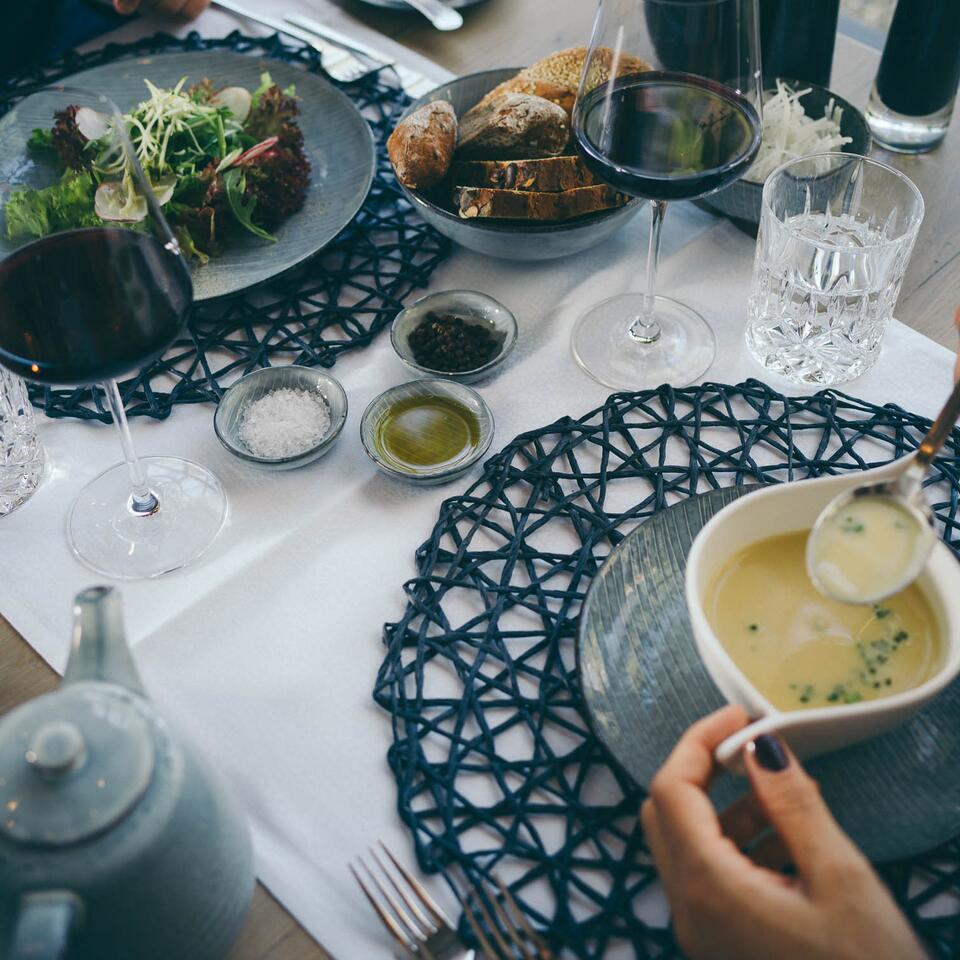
column 866, row 549
column 803, row 650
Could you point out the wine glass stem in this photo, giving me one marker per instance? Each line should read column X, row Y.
column 645, row 328
column 142, row 501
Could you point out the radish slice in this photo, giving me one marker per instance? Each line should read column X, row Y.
column 262, row 147
column 230, row 159
column 113, row 202
column 163, row 188
column 91, row 123
column 236, row 100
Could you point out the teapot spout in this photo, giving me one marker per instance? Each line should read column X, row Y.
column 98, row 649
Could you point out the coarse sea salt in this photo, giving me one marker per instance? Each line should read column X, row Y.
column 284, row 423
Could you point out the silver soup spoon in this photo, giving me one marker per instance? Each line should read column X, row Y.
column 875, row 574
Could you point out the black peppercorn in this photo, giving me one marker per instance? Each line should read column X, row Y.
column 453, row 345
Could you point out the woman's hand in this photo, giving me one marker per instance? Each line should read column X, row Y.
column 728, row 905
column 187, row 9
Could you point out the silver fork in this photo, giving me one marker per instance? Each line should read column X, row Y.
column 512, row 936
column 422, row 929
column 340, row 62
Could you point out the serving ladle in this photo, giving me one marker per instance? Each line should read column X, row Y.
column 904, row 491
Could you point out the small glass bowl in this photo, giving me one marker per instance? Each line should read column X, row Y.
column 473, row 307
column 234, row 403
column 378, row 408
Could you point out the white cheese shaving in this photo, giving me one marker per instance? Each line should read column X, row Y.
column 788, row 133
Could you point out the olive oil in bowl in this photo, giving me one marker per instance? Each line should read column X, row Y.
column 429, row 431
column 432, row 432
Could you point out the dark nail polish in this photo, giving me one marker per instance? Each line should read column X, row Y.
column 770, row 753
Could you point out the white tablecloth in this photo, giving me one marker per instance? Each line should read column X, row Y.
column 265, row 652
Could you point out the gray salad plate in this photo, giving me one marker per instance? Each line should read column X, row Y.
column 897, row 795
column 339, row 144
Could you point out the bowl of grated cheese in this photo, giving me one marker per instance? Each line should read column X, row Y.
column 799, row 120
column 281, row 417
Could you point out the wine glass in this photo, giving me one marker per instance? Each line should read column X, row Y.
column 85, row 300
column 668, row 109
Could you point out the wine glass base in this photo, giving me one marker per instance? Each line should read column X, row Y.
column 604, row 348
column 106, row 535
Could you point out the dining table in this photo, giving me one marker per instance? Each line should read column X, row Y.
column 286, row 921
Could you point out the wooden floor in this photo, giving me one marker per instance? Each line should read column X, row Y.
column 514, row 33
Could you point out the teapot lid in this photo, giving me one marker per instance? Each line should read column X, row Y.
column 72, row 763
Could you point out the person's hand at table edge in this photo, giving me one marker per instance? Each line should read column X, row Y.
column 188, row 9
column 734, row 905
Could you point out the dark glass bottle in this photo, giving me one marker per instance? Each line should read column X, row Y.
column 797, row 39
column 912, row 100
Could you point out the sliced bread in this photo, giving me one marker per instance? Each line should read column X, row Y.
column 471, row 202
column 547, row 174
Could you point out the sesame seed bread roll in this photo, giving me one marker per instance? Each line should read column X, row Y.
column 557, row 77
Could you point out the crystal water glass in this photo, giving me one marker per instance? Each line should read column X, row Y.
column 836, row 234
column 21, row 453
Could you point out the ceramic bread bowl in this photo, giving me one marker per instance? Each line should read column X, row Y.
column 516, row 240
column 782, row 509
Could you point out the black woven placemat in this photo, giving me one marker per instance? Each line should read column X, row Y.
column 496, row 766
column 336, row 302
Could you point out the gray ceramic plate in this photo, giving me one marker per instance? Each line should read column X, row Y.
column 644, row 684
column 338, row 140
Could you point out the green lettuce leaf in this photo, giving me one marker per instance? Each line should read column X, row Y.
column 31, row 214
column 40, row 145
column 241, row 206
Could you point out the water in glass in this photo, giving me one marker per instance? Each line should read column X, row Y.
column 828, row 270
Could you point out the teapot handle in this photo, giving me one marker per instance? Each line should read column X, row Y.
column 45, row 921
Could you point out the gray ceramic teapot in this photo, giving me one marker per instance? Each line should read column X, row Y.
column 116, row 842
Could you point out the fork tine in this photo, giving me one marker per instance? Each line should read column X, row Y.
column 402, row 938
column 542, row 949
column 409, row 923
column 404, row 895
column 478, row 930
column 491, row 925
column 506, row 923
column 428, row 902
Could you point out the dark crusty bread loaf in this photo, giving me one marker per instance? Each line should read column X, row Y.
column 514, row 125
column 547, row 175
column 528, row 205
column 421, row 147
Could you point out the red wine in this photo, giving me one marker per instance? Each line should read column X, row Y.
column 88, row 305
column 667, row 136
